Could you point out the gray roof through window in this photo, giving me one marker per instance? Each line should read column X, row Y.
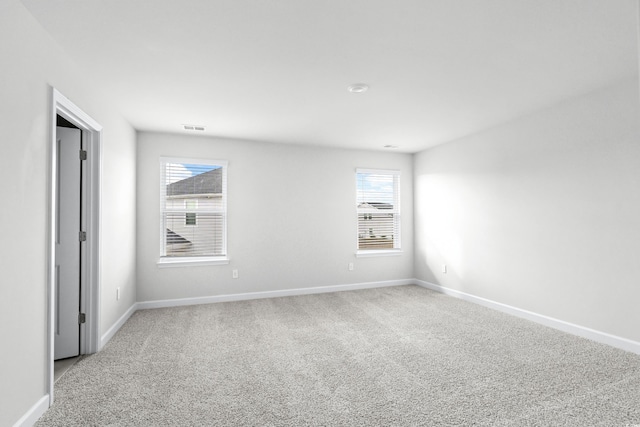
column 204, row 183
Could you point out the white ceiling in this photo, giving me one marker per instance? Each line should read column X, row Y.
column 278, row 70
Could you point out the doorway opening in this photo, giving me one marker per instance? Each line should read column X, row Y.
column 73, row 272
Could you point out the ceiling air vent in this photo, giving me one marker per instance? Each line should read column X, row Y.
column 193, row 127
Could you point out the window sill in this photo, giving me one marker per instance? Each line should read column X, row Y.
column 191, row 261
column 375, row 253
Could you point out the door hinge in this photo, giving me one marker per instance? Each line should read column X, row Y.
column 82, row 318
column 83, row 154
column 82, row 236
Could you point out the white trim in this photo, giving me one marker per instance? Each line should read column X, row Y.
column 271, row 294
column 70, row 110
column 168, row 262
column 194, row 161
column 38, row 409
column 90, row 283
column 381, row 252
column 93, row 192
column 378, row 171
column 34, row 413
column 561, row 325
column 116, row 326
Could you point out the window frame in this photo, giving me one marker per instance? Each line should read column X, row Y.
column 197, row 260
column 395, row 211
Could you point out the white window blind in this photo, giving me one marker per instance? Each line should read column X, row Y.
column 193, row 208
column 378, row 209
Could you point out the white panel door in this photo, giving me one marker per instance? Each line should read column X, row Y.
column 67, row 328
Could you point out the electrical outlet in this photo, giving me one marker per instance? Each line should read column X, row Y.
column 350, row 266
column 117, row 294
column 444, row 268
column 234, row 274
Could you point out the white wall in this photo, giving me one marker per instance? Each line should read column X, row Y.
column 292, row 221
column 30, row 64
column 542, row 213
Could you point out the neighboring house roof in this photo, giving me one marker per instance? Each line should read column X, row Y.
column 204, row 183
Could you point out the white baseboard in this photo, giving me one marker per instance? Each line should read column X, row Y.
column 29, row 418
column 598, row 336
column 571, row 328
column 242, row 297
column 116, row 326
column 34, row 413
column 271, row 294
column 38, row 409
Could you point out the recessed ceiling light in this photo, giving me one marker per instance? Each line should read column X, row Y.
column 193, row 127
column 358, row 88
column 390, row 146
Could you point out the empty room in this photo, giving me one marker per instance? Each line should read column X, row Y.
column 320, row 213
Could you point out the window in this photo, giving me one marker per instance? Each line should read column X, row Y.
column 193, row 211
column 378, row 210
column 190, row 217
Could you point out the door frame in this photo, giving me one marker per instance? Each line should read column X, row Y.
column 90, row 262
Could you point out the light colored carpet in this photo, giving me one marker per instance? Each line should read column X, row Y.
column 400, row 356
